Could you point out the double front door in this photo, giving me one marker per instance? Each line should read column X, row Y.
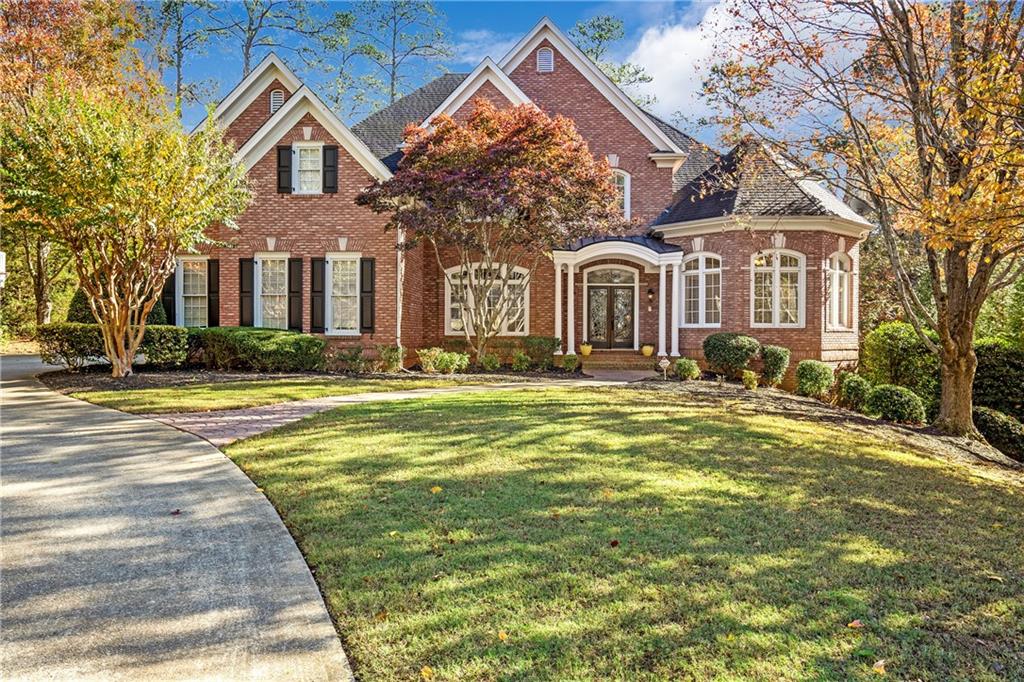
column 610, row 311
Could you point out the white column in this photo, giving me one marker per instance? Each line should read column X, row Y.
column 558, row 307
column 676, row 290
column 571, row 319
column 661, row 311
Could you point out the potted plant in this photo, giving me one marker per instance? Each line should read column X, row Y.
column 585, row 348
column 647, row 349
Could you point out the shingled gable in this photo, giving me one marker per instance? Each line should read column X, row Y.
column 303, row 102
column 252, row 86
column 750, row 181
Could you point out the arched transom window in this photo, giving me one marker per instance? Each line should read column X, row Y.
column 702, row 290
column 621, row 182
column 777, row 288
column 838, row 313
column 508, row 300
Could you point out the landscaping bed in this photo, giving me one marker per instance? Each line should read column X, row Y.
column 657, row 531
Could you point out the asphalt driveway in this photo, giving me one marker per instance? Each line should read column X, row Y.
column 132, row 550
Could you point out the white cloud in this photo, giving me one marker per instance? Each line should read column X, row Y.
column 472, row 46
column 676, row 54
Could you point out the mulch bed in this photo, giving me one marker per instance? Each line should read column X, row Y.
column 770, row 401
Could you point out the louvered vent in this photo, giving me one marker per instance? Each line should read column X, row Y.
column 545, row 60
column 276, row 100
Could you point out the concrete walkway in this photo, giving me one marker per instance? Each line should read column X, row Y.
column 131, row 550
column 222, row 427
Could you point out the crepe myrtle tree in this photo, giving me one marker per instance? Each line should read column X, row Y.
column 500, row 190
column 114, row 178
column 916, row 109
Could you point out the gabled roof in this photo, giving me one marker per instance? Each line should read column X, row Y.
column 259, row 79
column 382, row 131
column 486, row 72
column 546, row 30
column 750, row 181
column 304, row 101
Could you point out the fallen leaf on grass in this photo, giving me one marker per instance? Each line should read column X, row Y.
column 503, row 636
column 855, row 624
column 393, row 533
column 436, row 489
column 997, row 578
column 381, row 615
column 427, row 673
column 879, row 667
column 614, row 543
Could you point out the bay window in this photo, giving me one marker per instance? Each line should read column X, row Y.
column 777, row 288
column 702, row 291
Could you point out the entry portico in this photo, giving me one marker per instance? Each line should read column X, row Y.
column 612, row 271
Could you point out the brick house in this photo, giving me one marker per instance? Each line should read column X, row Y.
column 726, row 245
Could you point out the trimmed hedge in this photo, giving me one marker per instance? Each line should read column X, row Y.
column 999, row 379
column 687, row 369
column 1002, row 431
column 854, row 391
column 75, row 344
column 895, row 403
column 390, row 358
column 730, row 353
column 894, row 354
column 79, row 311
column 814, row 378
column 262, row 350
column 774, row 363
column 440, row 361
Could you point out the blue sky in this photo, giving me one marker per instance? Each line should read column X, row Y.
column 667, row 38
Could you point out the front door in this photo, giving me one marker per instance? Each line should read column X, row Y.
column 610, row 311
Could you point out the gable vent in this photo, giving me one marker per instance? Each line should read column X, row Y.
column 276, row 100
column 545, row 60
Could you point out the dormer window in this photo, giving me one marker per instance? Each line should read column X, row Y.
column 276, row 100
column 545, row 60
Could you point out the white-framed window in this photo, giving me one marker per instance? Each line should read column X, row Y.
column 545, row 60
column 307, row 167
column 271, row 275
column 342, row 278
column 777, row 288
column 516, row 300
column 702, row 290
column 621, row 182
column 276, row 100
column 190, row 290
column 838, row 300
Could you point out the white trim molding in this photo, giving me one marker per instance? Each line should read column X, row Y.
column 616, row 249
column 448, row 331
column 627, row 183
column 252, row 86
column 701, row 274
column 303, row 102
column 835, row 224
column 179, row 286
column 837, row 282
column 330, row 258
column 486, row 72
column 546, row 30
column 257, row 285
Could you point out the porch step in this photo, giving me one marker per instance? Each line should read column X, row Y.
column 619, row 361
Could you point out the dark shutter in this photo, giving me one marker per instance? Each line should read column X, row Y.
column 213, row 293
column 245, row 292
column 330, row 169
column 317, row 270
column 167, row 299
column 366, row 290
column 295, row 294
column 284, row 170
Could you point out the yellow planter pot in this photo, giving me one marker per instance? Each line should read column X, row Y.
column 647, row 350
column 585, row 349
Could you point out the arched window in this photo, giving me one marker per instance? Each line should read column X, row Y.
column 702, row 290
column 508, row 298
column 777, row 288
column 276, row 100
column 837, row 282
column 621, row 182
column 545, row 60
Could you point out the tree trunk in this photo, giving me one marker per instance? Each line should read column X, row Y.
column 44, row 307
column 955, row 408
column 41, row 282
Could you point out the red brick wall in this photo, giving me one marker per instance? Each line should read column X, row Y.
column 567, row 91
column 254, row 115
column 308, row 226
column 486, row 91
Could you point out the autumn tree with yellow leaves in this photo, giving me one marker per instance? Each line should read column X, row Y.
column 918, row 110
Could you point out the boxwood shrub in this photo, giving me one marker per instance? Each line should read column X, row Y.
column 687, row 369
column 261, row 350
column 570, row 362
column 895, row 403
column 854, row 391
column 541, row 349
column 730, row 353
column 165, row 345
column 750, row 379
column 1002, row 431
column 75, row 344
column 999, row 379
column 490, row 362
column 774, row 363
column 814, row 378
column 520, row 361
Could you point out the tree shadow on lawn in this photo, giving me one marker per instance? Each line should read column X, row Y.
column 612, row 534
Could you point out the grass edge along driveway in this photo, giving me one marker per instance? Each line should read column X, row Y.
column 618, row 534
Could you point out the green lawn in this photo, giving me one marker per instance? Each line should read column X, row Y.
column 228, row 395
column 618, row 534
